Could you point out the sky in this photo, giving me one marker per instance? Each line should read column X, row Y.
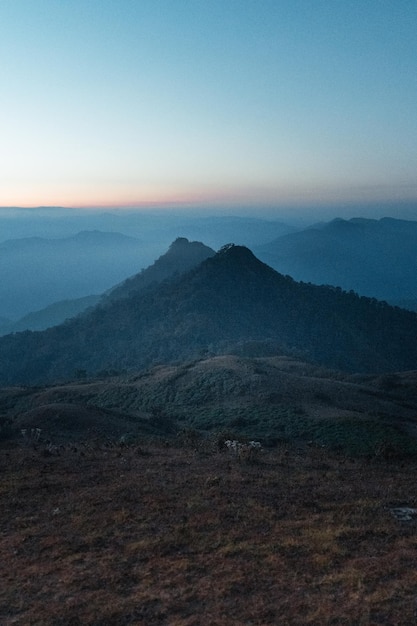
column 232, row 103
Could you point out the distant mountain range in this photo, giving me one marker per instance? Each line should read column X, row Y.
column 46, row 281
column 37, row 272
column 155, row 229
column 229, row 303
column 376, row 258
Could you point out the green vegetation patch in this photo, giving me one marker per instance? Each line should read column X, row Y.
column 354, row 437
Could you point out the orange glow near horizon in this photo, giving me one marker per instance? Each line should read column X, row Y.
column 233, row 197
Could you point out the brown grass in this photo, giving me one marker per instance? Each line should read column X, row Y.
column 166, row 535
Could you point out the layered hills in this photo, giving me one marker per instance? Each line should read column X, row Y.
column 55, row 255
column 229, row 303
column 376, row 258
column 37, row 272
column 182, row 255
column 45, row 281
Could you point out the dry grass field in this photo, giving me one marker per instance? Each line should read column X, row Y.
column 183, row 534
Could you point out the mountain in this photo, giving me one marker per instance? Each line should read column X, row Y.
column 36, row 272
column 181, row 256
column 376, row 258
column 231, row 302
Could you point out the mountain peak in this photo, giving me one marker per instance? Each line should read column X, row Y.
column 182, row 246
column 240, row 257
column 234, row 250
column 181, row 256
column 180, row 242
column 237, row 253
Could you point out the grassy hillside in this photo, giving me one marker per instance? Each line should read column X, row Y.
column 273, row 399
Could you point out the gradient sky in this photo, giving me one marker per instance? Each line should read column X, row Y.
column 228, row 102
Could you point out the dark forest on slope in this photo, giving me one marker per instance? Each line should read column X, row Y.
column 231, row 302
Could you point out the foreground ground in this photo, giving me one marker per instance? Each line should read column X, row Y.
column 186, row 535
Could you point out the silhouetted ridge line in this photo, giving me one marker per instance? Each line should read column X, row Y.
column 182, row 255
column 220, row 306
column 375, row 258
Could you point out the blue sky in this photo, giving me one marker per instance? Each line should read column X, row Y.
column 211, row 102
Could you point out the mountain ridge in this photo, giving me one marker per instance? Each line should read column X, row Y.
column 230, row 302
column 375, row 258
column 181, row 256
